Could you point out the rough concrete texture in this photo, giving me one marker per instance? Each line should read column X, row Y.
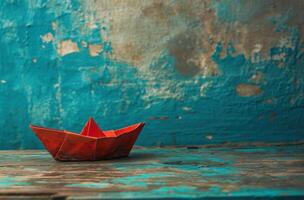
column 197, row 72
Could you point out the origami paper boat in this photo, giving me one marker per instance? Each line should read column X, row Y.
column 91, row 144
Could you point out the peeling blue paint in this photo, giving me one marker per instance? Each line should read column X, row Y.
column 39, row 86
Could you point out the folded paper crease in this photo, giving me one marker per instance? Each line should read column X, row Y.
column 91, row 144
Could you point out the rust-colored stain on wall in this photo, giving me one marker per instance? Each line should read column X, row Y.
column 247, row 90
column 95, row 49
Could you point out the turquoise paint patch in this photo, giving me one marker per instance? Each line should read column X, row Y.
column 269, row 192
column 8, row 181
column 218, row 171
column 141, row 180
column 163, row 192
column 89, row 185
column 178, row 191
column 237, row 10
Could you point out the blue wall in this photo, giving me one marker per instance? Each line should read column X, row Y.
column 197, row 72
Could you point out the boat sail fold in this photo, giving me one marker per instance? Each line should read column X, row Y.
column 91, row 144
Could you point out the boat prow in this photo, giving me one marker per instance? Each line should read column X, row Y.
column 91, row 144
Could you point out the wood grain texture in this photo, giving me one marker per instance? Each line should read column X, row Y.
column 219, row 172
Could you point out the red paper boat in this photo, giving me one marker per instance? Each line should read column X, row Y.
column 91, row 144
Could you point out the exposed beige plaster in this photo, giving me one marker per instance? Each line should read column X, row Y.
column 209, row 137
column 203, row 88
column 257, row 77
column 84, row 44
column 95, row 49
column 269, row 101
column 91, row 25
column 247, row 90
column 54, row 26
column 47, row 37
column 186, row 108
column 67, row 47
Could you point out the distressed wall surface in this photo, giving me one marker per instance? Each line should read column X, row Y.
column 198, row 72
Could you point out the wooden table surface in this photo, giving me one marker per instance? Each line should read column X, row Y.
column 219, row 172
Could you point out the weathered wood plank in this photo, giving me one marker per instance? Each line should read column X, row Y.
column 217, row 172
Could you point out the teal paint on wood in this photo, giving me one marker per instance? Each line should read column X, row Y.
column 216, row 71
column 265, row 171
column 8, row 181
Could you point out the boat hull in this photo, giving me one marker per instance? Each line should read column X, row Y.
column 68, row 146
